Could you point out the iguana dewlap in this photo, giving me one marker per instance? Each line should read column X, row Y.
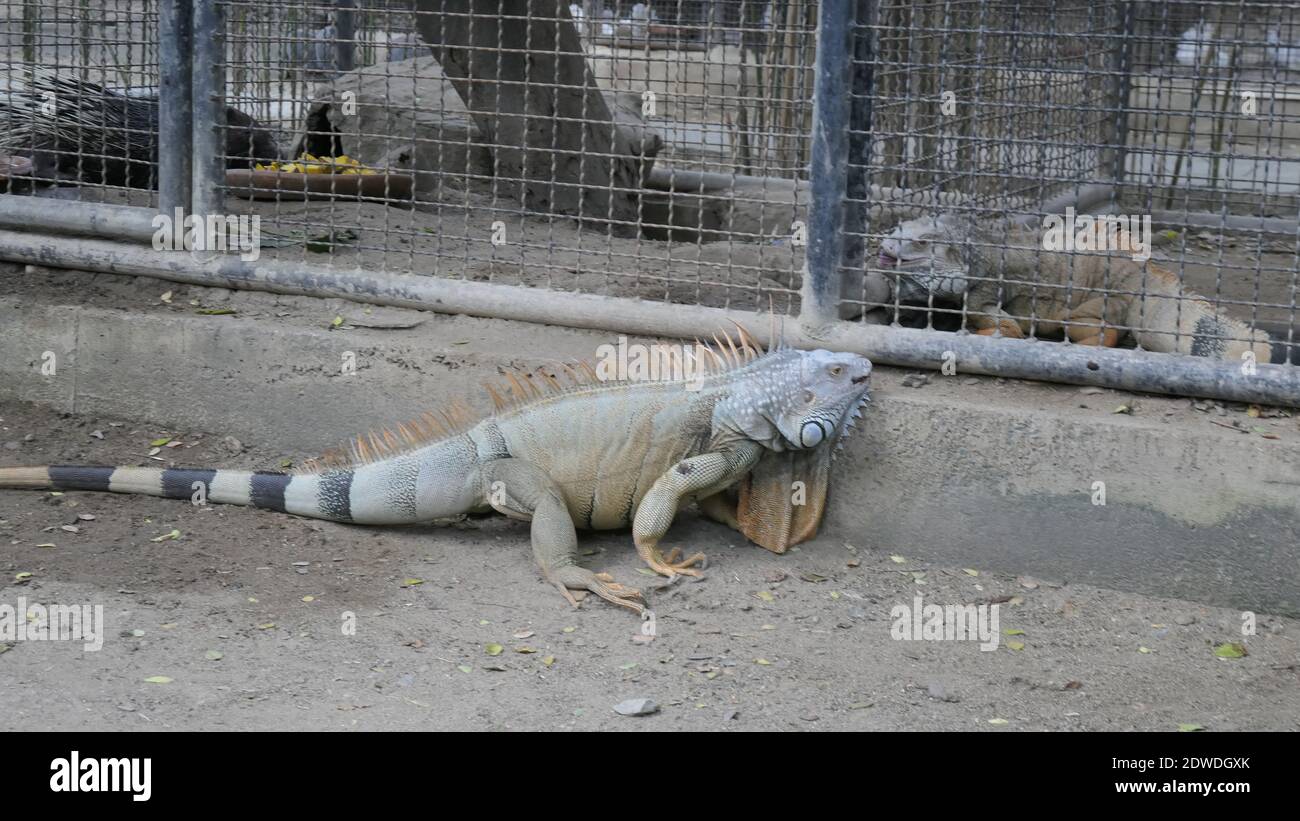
column 1007, row 284
column 566, row 450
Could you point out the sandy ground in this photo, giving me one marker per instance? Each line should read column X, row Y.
column 244, row 610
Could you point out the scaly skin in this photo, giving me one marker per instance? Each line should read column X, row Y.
column 593, row 455
column 1011, row 287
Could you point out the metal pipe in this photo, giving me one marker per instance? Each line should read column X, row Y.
column 1122, row 66
column 121, row 222
column 829, row 161
column 857, row 191
column 1287, row 228
column 345, row 35
column 905, row 347
column 209, row 120
column 771, row 189
column 175, row 109
column 1083, row 199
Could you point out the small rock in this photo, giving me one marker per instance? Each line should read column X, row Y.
column 636, row 707
column 937, row 691
column 730, row 715
column 1090, row 391
column 12, row 445
column 232, row 444
column 1184, row 619
column 98, row 434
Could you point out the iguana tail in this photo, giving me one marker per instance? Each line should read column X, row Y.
column 1176, row 321
column 317, row 495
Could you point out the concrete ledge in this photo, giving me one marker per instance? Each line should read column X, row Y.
column 993, row 474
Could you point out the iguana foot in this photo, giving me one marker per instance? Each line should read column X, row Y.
column 669, row 565
column 602, row 584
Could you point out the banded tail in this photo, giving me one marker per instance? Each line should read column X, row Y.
column 317, row 495
column 1176, row 321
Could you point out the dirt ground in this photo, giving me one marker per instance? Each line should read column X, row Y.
column 243, row 611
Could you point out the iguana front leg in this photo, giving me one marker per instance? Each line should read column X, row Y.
column 991, row 320
column 521, row 490
column 702, row 475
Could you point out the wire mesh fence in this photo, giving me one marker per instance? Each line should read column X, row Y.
column 1118, row 173
column 1105, row 173
column 614, row 149
column 78, row 97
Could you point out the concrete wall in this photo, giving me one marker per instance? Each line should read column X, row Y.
column 972, row 472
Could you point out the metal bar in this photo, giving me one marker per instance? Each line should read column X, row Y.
column 906, row 347
column 209, row 120
column 345, row 35
column 1236, row 222
column 857, row 191
column 1082, row 199
column 175, row 109
column 829, row 162
column 120, row 222
column 1122, row 66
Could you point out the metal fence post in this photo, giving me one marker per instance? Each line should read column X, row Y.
column 209, row 119
column 345, row 36
column 856, row 192
column 829, row 163
column 1122, row 66
column 175, row 109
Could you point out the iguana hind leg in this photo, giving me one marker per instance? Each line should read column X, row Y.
column 521, row 490
column 704, row 475
column 1085, row 323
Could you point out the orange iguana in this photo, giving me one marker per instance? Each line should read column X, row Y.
column 1008, row 285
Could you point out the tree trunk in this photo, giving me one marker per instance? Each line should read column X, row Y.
column 519, row 67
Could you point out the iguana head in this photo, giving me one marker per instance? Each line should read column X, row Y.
column 795, row 400
column 931, row 255
column 798, row 405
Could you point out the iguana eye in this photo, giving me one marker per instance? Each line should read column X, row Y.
column 836, row 370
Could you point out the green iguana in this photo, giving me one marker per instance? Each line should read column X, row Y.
column 1012, row 287
column 566, row 449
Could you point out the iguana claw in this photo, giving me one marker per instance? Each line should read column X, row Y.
column 669, row 565
column 602, row 584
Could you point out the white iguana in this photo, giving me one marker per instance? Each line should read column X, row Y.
column 565, row 450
